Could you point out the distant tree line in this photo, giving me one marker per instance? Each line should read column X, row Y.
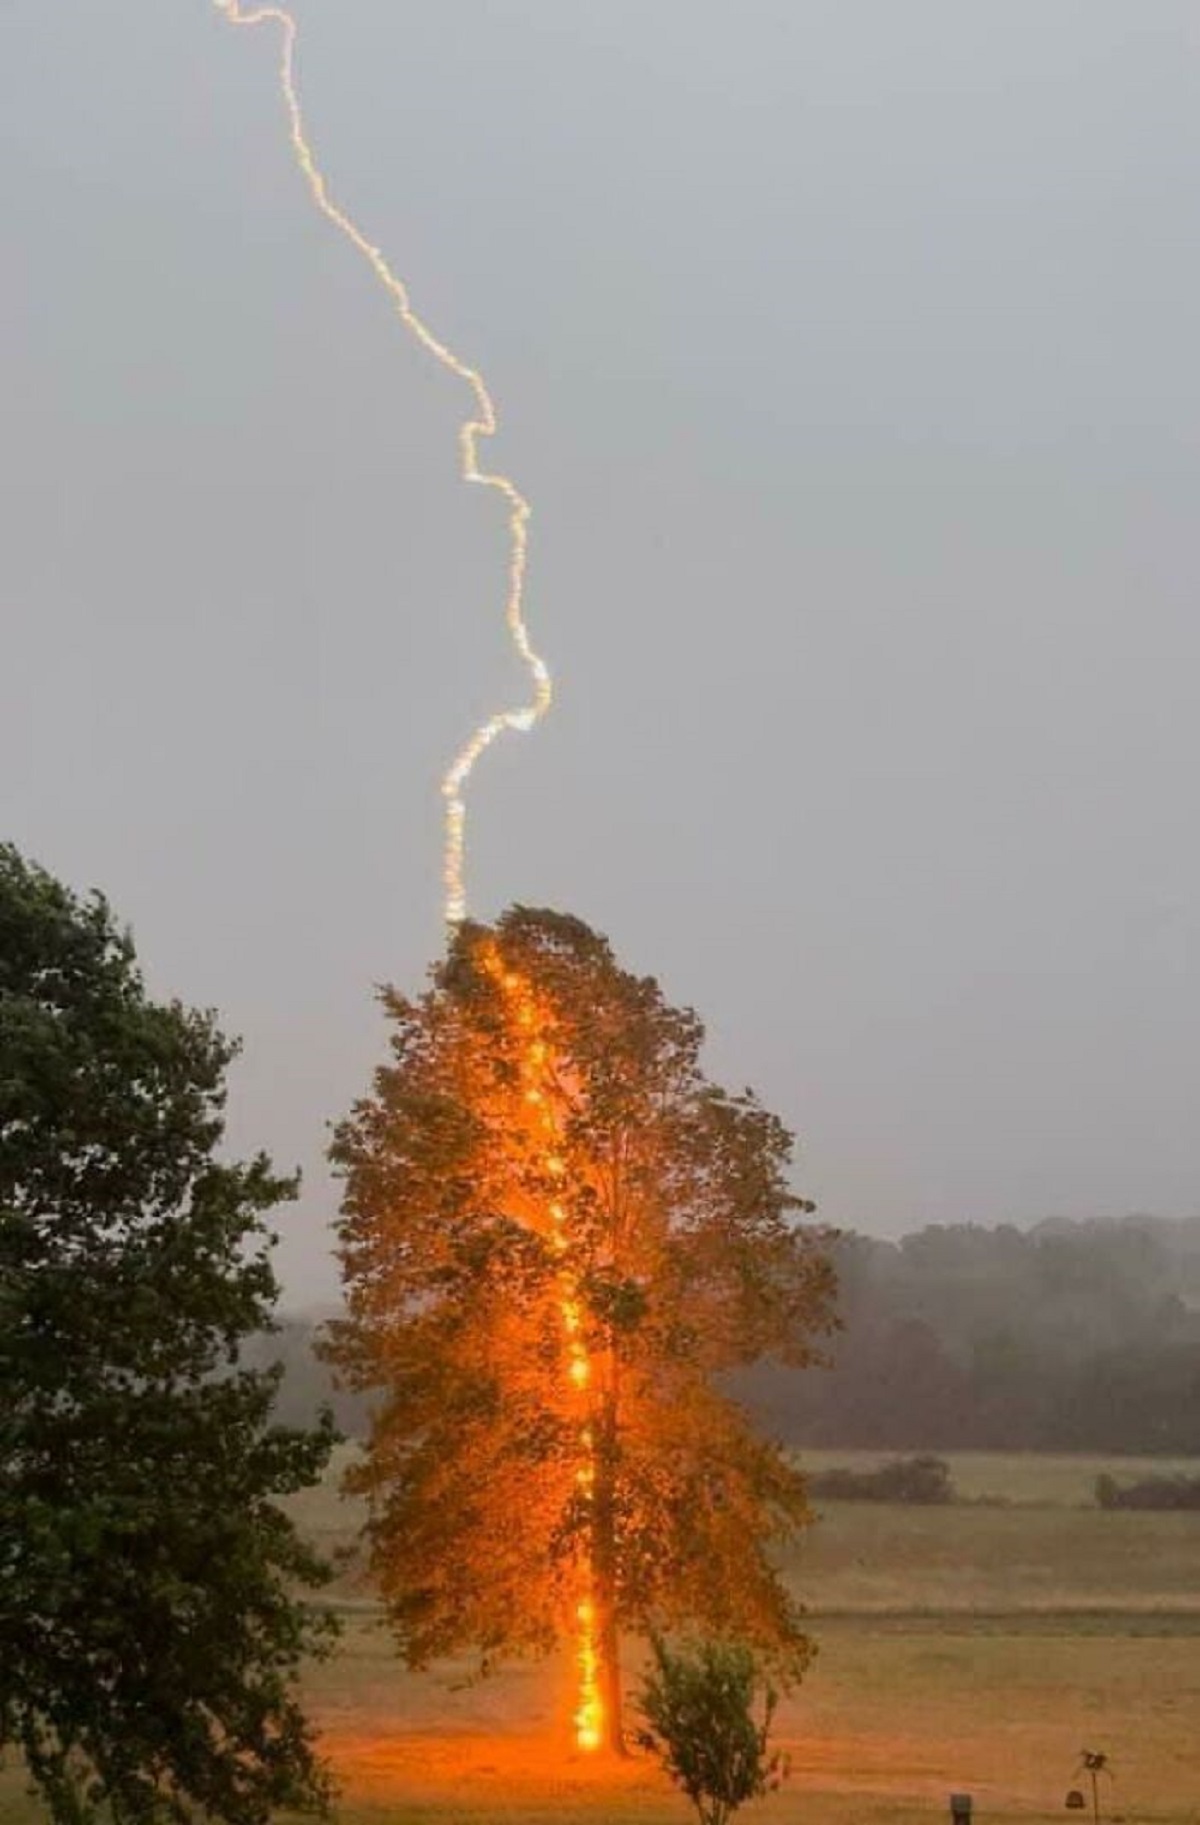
column 1066, row 1337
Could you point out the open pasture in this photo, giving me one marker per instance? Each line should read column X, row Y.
column 1051, row 1552
column 971, row 1647
column 889, row 1721
column 977, row 1646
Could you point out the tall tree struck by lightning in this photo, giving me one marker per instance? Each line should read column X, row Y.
column 483, row 422
column 559, row 1238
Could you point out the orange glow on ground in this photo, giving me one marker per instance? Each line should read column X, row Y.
column 480, row 1772
column 478, row 1769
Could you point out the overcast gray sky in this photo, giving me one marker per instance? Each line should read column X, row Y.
column 847, row 351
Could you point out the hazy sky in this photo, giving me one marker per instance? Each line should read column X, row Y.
column 847, row 350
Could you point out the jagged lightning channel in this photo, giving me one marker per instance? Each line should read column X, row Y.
column 483, row 423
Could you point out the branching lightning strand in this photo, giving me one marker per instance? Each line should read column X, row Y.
column 484, row 423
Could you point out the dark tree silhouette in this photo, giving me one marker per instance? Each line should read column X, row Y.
column 148, row 1628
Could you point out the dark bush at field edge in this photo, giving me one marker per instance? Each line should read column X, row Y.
column 924, row 1481
column 1157, row 1492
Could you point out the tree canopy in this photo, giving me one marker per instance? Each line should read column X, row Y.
column 149, row 1633
column 557, row 1237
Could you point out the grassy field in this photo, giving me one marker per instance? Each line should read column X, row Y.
column 976, row 1647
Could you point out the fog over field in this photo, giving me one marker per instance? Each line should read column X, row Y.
column 1071, row 1337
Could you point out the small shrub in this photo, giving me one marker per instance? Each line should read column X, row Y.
column 700, row 1706
column 1108, row 1492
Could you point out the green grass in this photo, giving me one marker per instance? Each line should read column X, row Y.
column 1007, row 1562
column 972, row 1647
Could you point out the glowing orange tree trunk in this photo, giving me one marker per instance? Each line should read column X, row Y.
column 541, row 1074
column 605, row 1575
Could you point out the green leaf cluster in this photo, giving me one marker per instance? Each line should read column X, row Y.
column 700, row 1704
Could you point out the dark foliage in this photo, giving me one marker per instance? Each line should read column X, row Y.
column 1161, row 1492
column 148, row 1631
column 924, row 1481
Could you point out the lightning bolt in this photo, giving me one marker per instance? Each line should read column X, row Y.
column 482, row 423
